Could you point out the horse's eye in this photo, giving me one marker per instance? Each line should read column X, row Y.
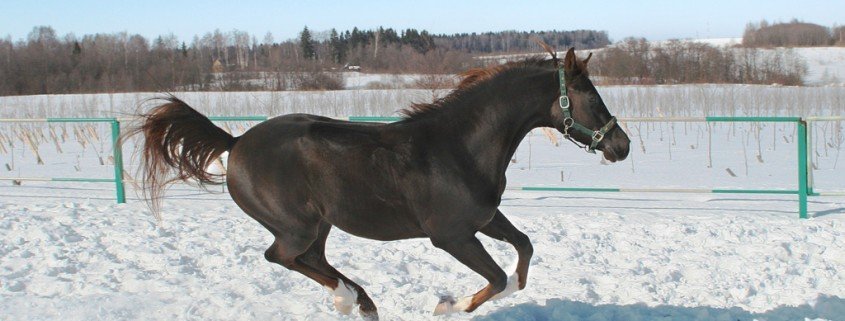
column 593, row 99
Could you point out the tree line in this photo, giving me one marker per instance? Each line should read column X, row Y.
column 792, row 34
column 638, row 61
column 46, row 63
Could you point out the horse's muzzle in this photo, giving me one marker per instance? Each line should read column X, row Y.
column 616, row 145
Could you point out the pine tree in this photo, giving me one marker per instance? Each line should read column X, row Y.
column 338, row 47
column 307, row 45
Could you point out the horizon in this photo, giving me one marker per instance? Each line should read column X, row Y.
column 655, row 20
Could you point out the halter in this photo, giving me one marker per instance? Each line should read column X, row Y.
column 569, row 122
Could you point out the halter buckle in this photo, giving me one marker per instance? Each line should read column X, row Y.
column 597, row 136
column 564, row 102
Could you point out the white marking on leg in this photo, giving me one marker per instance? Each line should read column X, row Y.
column 513, row 286
column 449, row 305
column 463, row 304
column 344, row 297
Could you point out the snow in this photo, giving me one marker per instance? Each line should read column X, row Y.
column 825, row 65
column 67, row 251
column 718, row 42
column 360, row 80
column 597, row 257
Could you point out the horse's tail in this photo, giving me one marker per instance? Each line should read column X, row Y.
column 179, row 144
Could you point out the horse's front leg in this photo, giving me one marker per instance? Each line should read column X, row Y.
column 501, row 229
column 469, row 251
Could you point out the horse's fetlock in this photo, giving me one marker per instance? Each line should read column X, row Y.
column 499, row 283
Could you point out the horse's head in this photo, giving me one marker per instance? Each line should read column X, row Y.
column 580, row 114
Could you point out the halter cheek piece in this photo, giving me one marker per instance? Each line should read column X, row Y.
column 569, row 122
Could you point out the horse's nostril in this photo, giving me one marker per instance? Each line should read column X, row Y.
column 623, row 153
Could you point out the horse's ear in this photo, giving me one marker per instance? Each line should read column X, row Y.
column 588, row 58
column 570, row 62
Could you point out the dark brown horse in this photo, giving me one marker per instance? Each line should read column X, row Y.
column 439, row 173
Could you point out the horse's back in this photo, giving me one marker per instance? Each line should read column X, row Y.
column 288, row 149
column 323, row 169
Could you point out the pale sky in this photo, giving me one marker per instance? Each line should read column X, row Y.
column 655, row 20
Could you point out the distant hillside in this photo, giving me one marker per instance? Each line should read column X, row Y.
column 724, row 60
column 825, row 65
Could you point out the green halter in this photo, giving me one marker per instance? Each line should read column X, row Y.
column 569, row 122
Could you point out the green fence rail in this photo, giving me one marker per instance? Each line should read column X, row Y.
column 804, row 177
column 117, row 154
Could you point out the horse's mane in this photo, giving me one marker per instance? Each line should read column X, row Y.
column 469, row 80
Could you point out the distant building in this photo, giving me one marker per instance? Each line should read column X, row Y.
column 352, row 67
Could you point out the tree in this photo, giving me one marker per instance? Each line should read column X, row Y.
column 307, row 45
column 792, row 34
column 338, row 47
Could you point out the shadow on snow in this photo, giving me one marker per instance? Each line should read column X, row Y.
column 825, row 307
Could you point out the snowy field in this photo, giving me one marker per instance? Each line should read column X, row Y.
column 597, row 257
column 68, row 252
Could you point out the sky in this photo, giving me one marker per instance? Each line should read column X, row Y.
column 654, row 20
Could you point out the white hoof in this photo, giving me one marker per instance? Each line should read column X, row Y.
column 513, row 286
column 344, row 297
column 449, row 305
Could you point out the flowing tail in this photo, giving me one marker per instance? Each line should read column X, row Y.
column 179, row 143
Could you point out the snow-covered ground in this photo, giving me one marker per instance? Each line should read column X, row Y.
column 825, row 65
column 69, row 253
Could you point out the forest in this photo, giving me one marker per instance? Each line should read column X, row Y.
column 48, row 63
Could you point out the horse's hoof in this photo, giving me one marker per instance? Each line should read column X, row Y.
column 449, row 305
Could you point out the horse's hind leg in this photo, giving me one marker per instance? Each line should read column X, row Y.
column 307, row 256
column 470, row 252
column 316, row 257
column 502, row 229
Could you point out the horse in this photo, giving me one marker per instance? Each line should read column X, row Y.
column 438, row 173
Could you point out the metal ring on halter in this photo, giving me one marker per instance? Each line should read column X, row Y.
column 567, row 124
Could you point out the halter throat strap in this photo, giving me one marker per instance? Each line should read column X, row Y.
column 570, row 124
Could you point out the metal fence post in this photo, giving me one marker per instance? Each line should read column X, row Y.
column 802, row 168
column 810, row 179
column 118, row 161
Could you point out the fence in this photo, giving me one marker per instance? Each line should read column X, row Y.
column 117, row 154
column 803, row 171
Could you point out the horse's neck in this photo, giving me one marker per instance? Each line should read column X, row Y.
column 497, row 125
column 494, row 142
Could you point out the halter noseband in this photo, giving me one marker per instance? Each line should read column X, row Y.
column 569, row 122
